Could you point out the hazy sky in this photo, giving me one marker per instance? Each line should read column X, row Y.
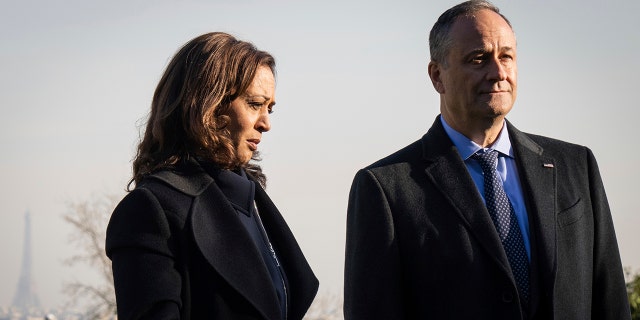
column 77, row 77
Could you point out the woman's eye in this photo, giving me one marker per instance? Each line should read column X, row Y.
column 255, row 105
column 270, row 109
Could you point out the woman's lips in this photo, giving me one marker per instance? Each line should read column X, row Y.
column 253, row 144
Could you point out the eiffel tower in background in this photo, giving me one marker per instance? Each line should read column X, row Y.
column 26, row 297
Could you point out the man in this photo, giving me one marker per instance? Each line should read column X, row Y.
column 478, row 220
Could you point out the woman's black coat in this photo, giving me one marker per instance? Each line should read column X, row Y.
column 180, row 252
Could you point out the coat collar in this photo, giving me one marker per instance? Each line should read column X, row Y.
column 188, row 177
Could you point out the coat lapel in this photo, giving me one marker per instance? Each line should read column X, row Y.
column 227, row 246
column 538, row 178
column 448, row 173
column 302, row 284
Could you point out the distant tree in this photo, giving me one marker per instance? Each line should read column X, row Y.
column 89, row 220
column 326, row 306
column 633, row 291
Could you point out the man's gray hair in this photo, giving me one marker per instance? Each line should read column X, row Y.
column 439, row 40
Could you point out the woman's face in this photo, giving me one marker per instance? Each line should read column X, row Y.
column 249, row 114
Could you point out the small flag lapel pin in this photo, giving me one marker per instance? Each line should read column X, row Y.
column 547, row 165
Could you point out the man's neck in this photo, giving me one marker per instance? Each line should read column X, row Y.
column 484, row 133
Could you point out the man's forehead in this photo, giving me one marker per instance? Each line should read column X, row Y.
column 481, row 21
column 487, row 30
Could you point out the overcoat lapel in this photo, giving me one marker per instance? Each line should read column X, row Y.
column 225, row 243
column 302, row 284
column 448, row 173
column 538, row 178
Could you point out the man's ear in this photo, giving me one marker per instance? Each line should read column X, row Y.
column 435, row 75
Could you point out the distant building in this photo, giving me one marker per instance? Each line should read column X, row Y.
column 26, row 297
column 26, row 305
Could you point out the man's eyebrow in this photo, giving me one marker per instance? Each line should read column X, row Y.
column 483, row 50
column 507, row 48
column 476, row 51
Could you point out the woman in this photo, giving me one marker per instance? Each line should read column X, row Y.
column 198, row 237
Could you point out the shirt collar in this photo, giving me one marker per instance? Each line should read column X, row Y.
column 466, row 147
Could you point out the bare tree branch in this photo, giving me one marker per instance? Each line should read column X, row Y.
column 89, row 220
column 326, row 306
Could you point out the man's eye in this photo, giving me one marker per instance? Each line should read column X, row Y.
column 506, row 58
column 477, row 60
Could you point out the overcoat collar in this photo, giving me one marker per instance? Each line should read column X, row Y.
column 447, row 171
column 226, row 244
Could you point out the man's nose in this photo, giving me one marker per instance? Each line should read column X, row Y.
column 497, row 70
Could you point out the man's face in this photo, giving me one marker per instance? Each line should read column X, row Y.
column 478, row 81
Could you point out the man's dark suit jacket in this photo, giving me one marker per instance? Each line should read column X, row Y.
column 180, row 252
column 421, row 244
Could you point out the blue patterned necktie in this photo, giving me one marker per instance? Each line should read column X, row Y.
column 505, row 221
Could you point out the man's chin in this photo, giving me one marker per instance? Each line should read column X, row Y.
column 501, row 108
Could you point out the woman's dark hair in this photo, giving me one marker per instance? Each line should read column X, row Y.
column 187, row 117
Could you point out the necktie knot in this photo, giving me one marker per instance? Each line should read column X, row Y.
column 488, row 159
